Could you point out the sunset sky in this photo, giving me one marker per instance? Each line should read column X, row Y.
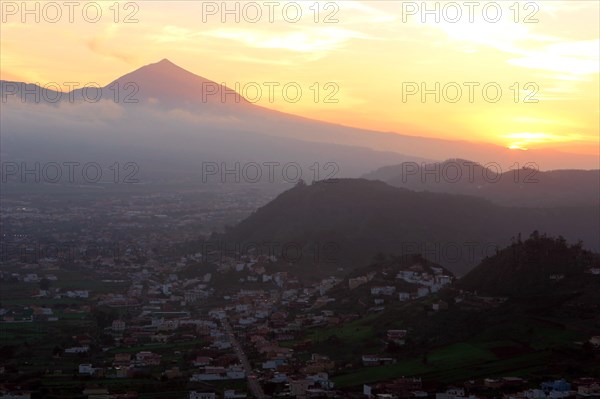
column 372, row 50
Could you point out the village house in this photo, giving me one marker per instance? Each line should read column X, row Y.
column 595, row 341
column 232, row 394
column 439, row 305
column 15, row 395
column 202, row 395
column 194, row 295
column 587, row 390
column 96, row 393
column 357, row 282
column 118, row 326
column 402, row 385
column 387, row 290
column 86, row 369
column 77, row 349
column 201, row 361
column 595, row 271
column 298, row 387
column 409, row 276
column 122, row 359
column 219, row 373
column 375, row 360
column 160, row 338
column 443, row 280
column 396, row 336
column 221, row 343
column 31, row 278
column 147, row 358
column 454, row 393
column 273, row 364
column 83, row 294
column 403, row 296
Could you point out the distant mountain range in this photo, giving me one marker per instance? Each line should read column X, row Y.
column 365, row 217
column 169, row 120
column 522, row 186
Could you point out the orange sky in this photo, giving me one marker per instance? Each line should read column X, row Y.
column 371, row 52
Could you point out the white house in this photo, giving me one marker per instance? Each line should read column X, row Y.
column 31, row 278
column 86, row 368
column 388, row 290
column 242, row 307
column 77, row 349
column 15, row 395
column 453, row 393
column 279, row 378
column 408, row 276
column 403, row 296
column 217, row 314
column 235, row 373
column 220, row 373
column 231, row 394
column 443, row 280
column 202, row 395
column 118, row 326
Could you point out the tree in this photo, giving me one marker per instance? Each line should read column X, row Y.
column 57, row 351
column 392, row 347
column 45, row 284
column 587, row 351
column 7, row 351
column 104, row 318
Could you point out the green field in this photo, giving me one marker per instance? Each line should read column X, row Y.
column 454, row 363
column 523, row 348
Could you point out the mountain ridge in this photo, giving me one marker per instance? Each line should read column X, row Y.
column 525, row 186
column 154, row 93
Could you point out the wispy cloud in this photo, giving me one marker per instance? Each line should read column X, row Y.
column 575, row 58
column 104, row 45
column 297, row 40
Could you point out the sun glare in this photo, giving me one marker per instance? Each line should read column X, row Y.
column 517, row 146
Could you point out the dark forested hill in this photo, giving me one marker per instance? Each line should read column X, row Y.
column 363, row 217
column 537, row 266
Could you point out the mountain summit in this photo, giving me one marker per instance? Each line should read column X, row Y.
column 166, row 82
